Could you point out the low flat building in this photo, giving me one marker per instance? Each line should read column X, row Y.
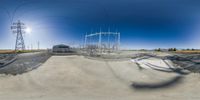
column 61, row 48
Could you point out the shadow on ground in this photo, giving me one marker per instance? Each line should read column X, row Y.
column 170, row 83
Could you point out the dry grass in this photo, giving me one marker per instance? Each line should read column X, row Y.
column 26, row 51
column 189, row 51
column 6, row 51
column 13, row 51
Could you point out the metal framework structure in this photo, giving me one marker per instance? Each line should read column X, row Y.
column 18, row 28
column 102, row 41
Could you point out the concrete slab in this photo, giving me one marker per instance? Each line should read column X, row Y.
column 79, row 78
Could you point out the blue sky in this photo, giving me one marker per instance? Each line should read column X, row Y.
column 142, row 23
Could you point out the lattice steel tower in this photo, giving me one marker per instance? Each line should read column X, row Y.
column 18, row 28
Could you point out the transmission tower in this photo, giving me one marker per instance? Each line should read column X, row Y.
column 18, row 28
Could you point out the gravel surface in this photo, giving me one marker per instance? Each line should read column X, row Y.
column 190, row 62
column 25, row 62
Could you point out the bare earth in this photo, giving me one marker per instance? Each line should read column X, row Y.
column 79, row 78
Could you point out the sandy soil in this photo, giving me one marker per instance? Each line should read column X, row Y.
column 79, row 78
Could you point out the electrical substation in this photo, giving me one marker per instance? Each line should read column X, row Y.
column 102, row 42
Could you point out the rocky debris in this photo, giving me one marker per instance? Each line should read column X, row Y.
column 6, row 59
column 189, row 62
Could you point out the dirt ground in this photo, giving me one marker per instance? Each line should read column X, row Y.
column 79, row 78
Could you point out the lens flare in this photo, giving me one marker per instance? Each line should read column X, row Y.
column 28, row 30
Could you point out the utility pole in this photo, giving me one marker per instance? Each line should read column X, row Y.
column 118, row 45
column 18, row 28
column 38, row 45
column 85, row 45
column 27, row 47
column 100, row 41
column 109, row 39
column 31, row 46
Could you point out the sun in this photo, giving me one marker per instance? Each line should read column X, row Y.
column 28, row 30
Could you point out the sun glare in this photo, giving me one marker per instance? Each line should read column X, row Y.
column 28, row 30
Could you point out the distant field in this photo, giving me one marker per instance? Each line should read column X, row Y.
column 189, row 51
column 12, row 51
column 6, row 51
